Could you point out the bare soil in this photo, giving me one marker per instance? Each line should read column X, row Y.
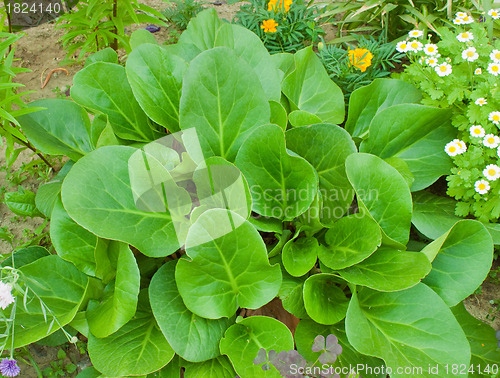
column 40, row 51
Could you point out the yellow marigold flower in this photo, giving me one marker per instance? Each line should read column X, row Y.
column 269, row 26
column 276, row 5
column 360, row 58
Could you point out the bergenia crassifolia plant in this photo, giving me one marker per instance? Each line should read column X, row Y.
column 214, row 183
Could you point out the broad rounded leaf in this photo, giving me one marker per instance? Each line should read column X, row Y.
column 72, row 242
column 416, row 134
column 282, row 186
column 25, row 256
column 300, row 255
column 202, row 30
column 410, row 328
column 62, row 291
column 137, row 348
column 325, row 302
column 302, row 118
column 229, row 267
column 388, row 270
column 461, row 260
column 350, row 240
column 243, row 341
column 383, row 192
column 192, row 337
column 223, row 100
column 326, row 147
column 97, row 194
column 119, row 303
column 367, row 101
column 63, row 128
column 156, row 79
column 310, row 88
column 104, row 87
column 219, row 367
column 291, row 295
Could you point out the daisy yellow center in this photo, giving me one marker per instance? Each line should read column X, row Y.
column 497, row 55
column 430, row 48
column 477, row 131
column 466, row 18
column 403, row 45
column 494, row 68
column 494, row 14
column 491, row 140
column 414, row 45
column 481, row 186
column 491, row 172
column 481, row 101
column 442, row 68
column 453, row 149
column 470, row 53
column 496, row 117
column 464, row 35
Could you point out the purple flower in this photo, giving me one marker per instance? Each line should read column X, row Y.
column 9, row 368
column 152, row 28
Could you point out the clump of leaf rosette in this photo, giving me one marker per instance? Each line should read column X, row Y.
column 167, row 242
column 461, row 72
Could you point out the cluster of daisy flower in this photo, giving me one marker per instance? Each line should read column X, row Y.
column 457, row 147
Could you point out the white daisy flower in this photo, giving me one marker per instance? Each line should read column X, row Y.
column 415, row 33
column 6, row 297
column 458, row 21
column 482, row 186
column 491, row 172
column 460, row 14
column 494, row 68
column 415, row 45
column 494, row 13
column 430, row 49
column 465, row 37
column 494, row 117
column 478, row 71
column 467, row 20
column 444, row 69
column 452, row 149
column 480, row 101
column 491, row 141
column 432, row 62
column 495, row 56
column 470, row 54
column 462, row 147
column 402, row 46
column 477, row 131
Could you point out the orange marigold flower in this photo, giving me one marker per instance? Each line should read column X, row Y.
column 269, row 26
column 277, row 5
column 360, row 58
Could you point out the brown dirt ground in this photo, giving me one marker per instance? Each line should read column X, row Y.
column 40, row 51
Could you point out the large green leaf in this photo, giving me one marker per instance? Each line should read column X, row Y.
column 202, row 30
column 383, row 192
column 137, row 348
column 326, row 148
column 63, row 128
column 72, row 242
column 282, row 186
column 461, row 259
column 25, row 256
column 300, row 255
column 219, row 367
column 48, row 193
column 291, row 295
column 416, row 134
column 409, row 328
column 324, row 301
column 243, row 341
column 223, row 100
column 229, row 267
column 192, row 337
column 350, row 240
column 104, row 87
column 434, row 215
column 22, row 202
column 483, row 342
column 310, row 88
column 389, row 270
column 60, row 286
column 156, row 79
column 119, row 302
column 349, row 359
column 97, row 194
column 367, row 101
